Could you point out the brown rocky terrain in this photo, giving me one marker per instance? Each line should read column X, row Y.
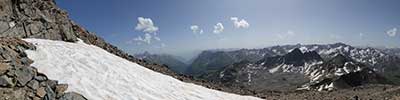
column 366, row 92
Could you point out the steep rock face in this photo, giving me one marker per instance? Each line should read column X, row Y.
column 20, row 81
column 36, row 19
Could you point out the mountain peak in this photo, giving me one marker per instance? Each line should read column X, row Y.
column 295, row 51
column 312, row 55
column 297, row 58
column 339, row 44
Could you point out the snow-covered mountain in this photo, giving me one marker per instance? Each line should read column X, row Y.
column 100, row 75
column 213, row 60
column 298, row 70
column 392, row 51
column 289, row 67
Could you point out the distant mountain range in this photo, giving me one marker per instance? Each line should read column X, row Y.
column 175, row 63
column 392, row 51
column 289, row 67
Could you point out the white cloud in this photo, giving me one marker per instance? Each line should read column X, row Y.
column 392, row 32
column 146, row 25
column 157, row 38
column 218, row 28
column 146, row 38
column 196, row 29
column 240, row 23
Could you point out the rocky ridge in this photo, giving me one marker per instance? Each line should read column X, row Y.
column 298, row 70
column 20, row 81
column 370, row 56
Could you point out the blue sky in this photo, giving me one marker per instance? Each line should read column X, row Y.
column 259, row 23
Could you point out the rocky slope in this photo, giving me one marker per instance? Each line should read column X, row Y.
column 365, row 92
column 20, row 81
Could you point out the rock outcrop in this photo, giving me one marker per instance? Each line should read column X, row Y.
column 20, row 81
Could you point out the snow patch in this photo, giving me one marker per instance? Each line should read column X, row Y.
column 303, row 49
column 100, row 75
column 11, row 24
column 273, row 70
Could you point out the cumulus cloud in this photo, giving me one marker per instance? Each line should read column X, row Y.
column 146, row 38
column 218, row 28
column 146, row 25
column 392, row 32
column 196, row 29
column 240, row 23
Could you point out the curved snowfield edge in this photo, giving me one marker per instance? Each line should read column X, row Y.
column 99, row 75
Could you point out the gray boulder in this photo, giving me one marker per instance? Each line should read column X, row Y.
column 6, row 81
column 72, row 96
column 24, row 75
